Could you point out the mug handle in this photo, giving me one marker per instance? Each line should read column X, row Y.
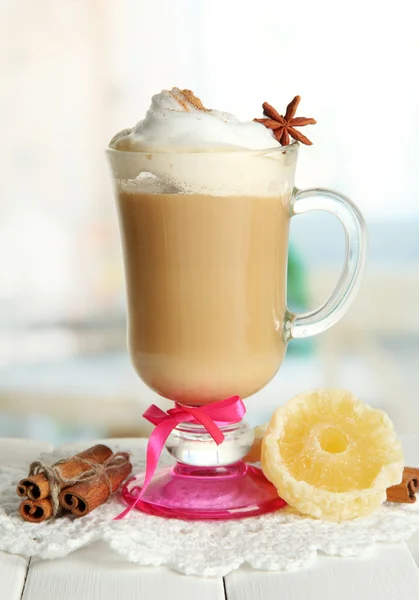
column 316, row 321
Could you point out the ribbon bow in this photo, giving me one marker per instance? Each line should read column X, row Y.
column 228, row 411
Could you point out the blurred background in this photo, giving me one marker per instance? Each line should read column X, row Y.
column 73, row 72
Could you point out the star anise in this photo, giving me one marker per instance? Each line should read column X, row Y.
column 284, row 126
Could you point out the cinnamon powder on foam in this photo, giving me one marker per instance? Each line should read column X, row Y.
column 187, row 96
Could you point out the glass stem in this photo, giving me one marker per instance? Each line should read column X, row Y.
column 191, row 444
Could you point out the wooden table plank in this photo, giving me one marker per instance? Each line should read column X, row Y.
column 98, row 573
column 12, row 575
column 13, row 568
column 390, row 574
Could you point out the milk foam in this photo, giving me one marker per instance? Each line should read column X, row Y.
column 189, row 149
column 173, row 122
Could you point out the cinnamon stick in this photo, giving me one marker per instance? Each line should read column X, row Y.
column 255, row 451
column 36, row 511
column 85, row 496
column 406, row 490
column 37, row 487
column 34, row 487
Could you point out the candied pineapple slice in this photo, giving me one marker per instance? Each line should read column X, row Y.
column 331, row 456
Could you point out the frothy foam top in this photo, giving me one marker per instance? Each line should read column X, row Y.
column 177, row 119
column 182, row 147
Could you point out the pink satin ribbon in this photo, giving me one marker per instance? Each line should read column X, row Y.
column 228, row 411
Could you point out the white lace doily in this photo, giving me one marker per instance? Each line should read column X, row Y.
column 282, row 540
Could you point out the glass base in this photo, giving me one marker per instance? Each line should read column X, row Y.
column 197, row 492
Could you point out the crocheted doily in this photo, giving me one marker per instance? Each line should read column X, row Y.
column 281, row 540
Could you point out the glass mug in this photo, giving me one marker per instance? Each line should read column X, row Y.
column 205, row 246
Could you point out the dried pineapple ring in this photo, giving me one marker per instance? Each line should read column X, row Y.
column 331, row 456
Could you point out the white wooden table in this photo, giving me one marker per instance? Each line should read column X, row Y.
column 97, row 573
